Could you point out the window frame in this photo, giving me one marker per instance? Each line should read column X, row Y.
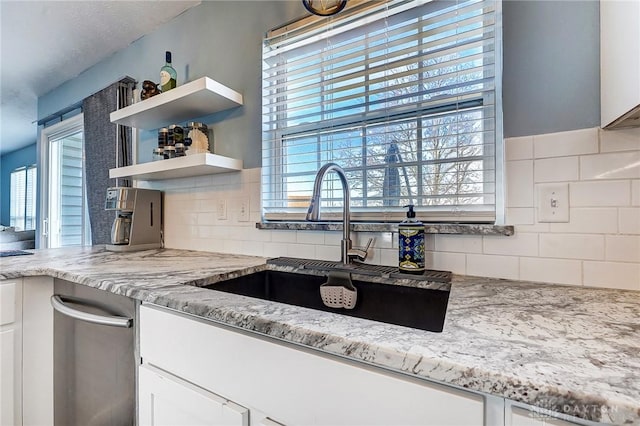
column 48, row 134
column 274, row 172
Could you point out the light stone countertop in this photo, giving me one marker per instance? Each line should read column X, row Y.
column 556, row 347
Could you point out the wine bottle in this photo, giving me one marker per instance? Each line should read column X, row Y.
column 168, row 75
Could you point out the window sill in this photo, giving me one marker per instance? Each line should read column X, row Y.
column 429, row 228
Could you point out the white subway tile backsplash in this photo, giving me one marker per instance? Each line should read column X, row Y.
column 387, row 240
column 572, row 246
column 520, row 148
column 611, row 274
column 253, row 248
column 389, row 257
column 537, row 227
column 618, row 165
column 564, row 144
column 635, row 193
column 520, row 216
column 519, row 183
column 515, row 245
column 598, row 246
column 562, row 169
column 220, row 233
column 310, row 237
column 206, row 219
column 458, row 243
column 620, row 140
column 233, row 246
column 333, row 238
column 629, row 220
column 302, row 251
column 275, row 249
column 493, row 266
column 328, row 252
column 283, row 236
column 585, row 220
column 262, row 235
column 622, row 248
column 599, row 193
column 559, row 271
column 454, row 262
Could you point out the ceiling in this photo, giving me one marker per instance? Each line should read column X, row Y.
column 45, row 43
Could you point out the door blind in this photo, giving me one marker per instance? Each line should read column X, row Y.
column 402, row 95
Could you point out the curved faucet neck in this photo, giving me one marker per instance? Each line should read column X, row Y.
column 313, row 214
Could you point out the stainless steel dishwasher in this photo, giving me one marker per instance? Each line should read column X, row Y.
column 95, row 356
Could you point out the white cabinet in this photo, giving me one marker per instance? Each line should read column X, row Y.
column 198, row 98
column 291, row 385
column 620, row 63
column 26, row 351
column 168, row 400
column 10, row 352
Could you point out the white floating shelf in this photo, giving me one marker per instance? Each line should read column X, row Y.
column 190, row 165
column 198, row 98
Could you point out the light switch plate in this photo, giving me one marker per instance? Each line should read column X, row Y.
column 243, row 214
column 221, row 209
column 553, row 202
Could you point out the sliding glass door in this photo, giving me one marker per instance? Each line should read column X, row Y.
column 65, row 217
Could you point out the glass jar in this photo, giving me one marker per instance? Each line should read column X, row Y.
column 163, row 136
column 169, row 152
column 178, row 133
column 180, row 152
column 158, row 154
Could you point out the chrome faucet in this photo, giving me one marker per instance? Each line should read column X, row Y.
column 313, row 214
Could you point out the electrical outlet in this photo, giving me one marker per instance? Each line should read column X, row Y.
column 221, row 209
column 243, row 215
column 553, row 202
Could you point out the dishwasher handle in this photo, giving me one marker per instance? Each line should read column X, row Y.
column 114, row 321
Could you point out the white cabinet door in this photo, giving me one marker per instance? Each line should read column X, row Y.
column 10, row 352
column 166, row 400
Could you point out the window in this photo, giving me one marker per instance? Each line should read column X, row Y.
column 64, row 203
column 23, row 198
column 404, row 95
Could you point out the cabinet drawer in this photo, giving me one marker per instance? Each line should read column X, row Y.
column 167, row 400
column 296, row 385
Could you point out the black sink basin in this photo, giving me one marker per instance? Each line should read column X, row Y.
column 415, row 307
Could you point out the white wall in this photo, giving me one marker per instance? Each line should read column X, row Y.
column 600, row 246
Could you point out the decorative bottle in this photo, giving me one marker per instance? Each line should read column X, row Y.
column 411, row 244
column 168, row 75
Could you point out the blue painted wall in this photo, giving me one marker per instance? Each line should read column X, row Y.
column 218, row 39
column 8, row 163
column 551, row 66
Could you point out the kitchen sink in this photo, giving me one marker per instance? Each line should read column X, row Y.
column 415, row 307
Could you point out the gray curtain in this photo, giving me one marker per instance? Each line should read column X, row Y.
column 106, row 145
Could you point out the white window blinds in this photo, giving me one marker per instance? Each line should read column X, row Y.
column 402, row 95
column 22, row 201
